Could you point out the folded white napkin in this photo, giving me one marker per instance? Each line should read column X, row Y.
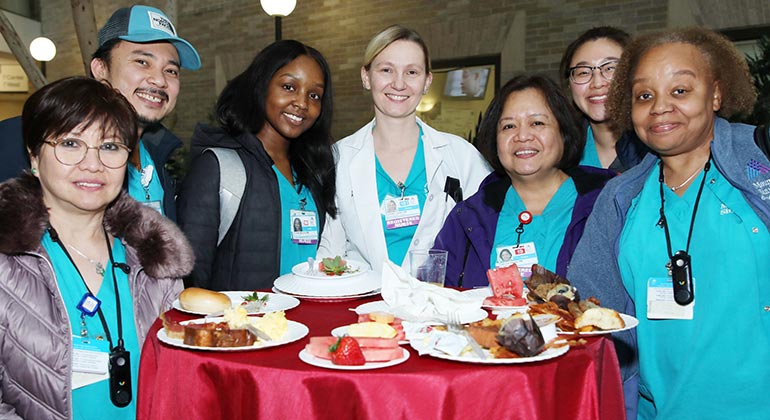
column 413, row 300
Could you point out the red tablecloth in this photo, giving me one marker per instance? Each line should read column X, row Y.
column 273, row 383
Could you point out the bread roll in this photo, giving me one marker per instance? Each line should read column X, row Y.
column 204, row 301
column 601, row 318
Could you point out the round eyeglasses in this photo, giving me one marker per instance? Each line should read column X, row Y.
column 71, row 152
column 581, row 75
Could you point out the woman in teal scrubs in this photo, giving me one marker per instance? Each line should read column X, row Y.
column 276, row 118
column 533, row 208
column 84, row 268
column 397, row 177
column 681, row 241
column 587, row 68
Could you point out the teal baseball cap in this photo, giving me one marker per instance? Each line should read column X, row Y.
column 142, row 24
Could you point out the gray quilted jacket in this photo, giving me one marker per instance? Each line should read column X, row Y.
column 35, row 333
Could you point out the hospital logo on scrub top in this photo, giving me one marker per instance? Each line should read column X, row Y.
column 755, row 169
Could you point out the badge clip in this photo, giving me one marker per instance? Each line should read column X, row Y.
column 89, row 304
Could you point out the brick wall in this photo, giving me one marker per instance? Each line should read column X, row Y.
column 228, row 34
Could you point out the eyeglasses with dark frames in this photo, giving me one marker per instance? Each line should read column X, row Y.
column 581, row 75
column 72, row 151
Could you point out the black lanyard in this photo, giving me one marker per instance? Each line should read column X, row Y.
column 679, row 263
column 55, row 237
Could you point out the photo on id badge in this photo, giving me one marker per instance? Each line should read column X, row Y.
column 304, row 227
column 400, row 212
column 524, row 256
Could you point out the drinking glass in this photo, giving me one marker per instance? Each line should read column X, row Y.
column 428, row 265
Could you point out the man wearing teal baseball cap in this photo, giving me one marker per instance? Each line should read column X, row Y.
column 141, row 55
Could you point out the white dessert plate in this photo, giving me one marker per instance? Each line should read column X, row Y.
column 329, row 299
column 343, row 331
column 323, row 287
column 357, row 268
column 380, row 306
column 308, row 358
column 630, row 322
column 487, row 292
column 294, row 332
column 490, row 360
column 275, row 302
column 514, row 308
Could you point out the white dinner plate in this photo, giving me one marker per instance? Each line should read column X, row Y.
column 308, row 358
column 630, row 322
column 275, row 302
column 380, row 306
column 343, row 331
column 357, row 268
column 294, row 332
column 298, row 286
column 490, row 360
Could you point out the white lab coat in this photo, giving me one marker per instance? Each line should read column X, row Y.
column 357, row 232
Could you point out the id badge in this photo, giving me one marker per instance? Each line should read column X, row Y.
column 524, row 256
column 401, row 212
column 155, row 205
column 304, row 227
column 661, row 303
column 89, row 363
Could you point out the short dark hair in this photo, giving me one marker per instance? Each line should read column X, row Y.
column 104, row 53
column 559, row 105
column 62, row 106
column 727, row 65
column 241, row 109
column 611, row 33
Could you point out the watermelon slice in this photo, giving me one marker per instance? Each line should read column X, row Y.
column 506, row 282
column 374, row 349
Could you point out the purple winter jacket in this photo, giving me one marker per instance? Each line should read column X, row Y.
column 35, row 333
column 469, row 230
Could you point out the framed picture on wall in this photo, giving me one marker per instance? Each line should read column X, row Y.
column 467, row 82
column 461, row 91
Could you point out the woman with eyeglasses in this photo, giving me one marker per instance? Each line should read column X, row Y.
column 587, row 67
column 84, row 269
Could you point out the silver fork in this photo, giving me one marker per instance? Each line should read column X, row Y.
column 455, row 326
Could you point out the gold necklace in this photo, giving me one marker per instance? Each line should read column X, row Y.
column 97, row 265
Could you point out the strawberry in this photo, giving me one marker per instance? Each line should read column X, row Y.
column 346, row 351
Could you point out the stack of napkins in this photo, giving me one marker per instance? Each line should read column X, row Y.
column 415, row 301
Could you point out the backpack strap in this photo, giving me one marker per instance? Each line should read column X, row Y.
column 232, row 183
column 762, row 139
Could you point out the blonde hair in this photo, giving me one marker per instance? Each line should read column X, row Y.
column 727, row 65
column 390, row 35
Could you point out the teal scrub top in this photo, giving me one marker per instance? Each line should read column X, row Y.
column 399, row 239
column 716, row 365
column 546, row 230
column 146, row 193
column 93, row 401
column 590, row 155
column 291, row 197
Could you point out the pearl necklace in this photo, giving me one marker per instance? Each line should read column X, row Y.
column 97, row 265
